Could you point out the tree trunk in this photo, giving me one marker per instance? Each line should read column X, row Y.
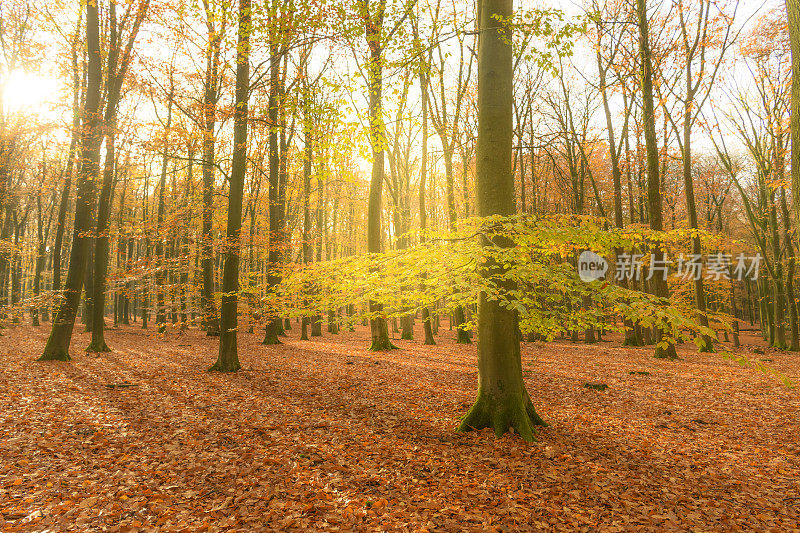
column 276, row 222
column 316, row 320
column 228, row 360
column 691, row 210
column 57, row 347
column 40, row 256
column 161, row 317
column 659, row 284
column 423, row 176
column 210, row 320
column 70, row 167
column 503, row 402
column 98, row 343
column 374, row 26
column 307, row 249
column 793, row 9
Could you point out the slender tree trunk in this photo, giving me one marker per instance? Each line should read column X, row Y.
column 228, row 360
column 374, row 26
column 316, row 320
column 616, row 174
column 70, row 167
column 57, row 347
column 210, row 320
column 659, row 284
column 691, row 210
column 161, row 316
column 41, row 250
column 423, row 176
column 307, row 249
column 276, row 222
column 98, row 343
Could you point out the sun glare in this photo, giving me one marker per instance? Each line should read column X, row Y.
column 28, row 92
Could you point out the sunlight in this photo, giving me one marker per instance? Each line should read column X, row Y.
column 28, row 92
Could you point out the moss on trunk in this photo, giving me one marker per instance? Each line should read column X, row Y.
column 503, row 412
column 380, row 336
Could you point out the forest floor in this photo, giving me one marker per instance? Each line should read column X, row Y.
column 325, row 435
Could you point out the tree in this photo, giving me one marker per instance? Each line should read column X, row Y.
column 119, row 59
column 423, row 170
column 57, row 347
column 503, row 402
column 228, row 359
column 793, row 10
column 373, row 25
column 211, row 95
column 446, row 123
column 664, row 348
column 700, row 71
column 71, row 164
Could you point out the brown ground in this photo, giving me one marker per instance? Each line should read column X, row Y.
column 324, row 435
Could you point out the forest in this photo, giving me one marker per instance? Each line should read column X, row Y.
column 417, row 265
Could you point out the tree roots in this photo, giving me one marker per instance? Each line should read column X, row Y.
column 503, row 414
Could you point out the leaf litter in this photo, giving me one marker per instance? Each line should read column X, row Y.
column 313, row 435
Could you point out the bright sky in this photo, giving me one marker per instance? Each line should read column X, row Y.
column 29, row 92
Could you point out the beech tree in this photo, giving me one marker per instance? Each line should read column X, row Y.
column 228, row 360
column 664, row 349
column 57, row 347
column 503, row 401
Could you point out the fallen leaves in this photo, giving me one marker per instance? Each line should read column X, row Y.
column 300, row 440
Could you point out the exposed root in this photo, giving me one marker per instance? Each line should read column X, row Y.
column 98, row 347
column 225, row 366
column 502, row 415
column 382, row 345
column 55, row 355
column 271, row 340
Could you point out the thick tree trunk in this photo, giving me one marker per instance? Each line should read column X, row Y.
column 228, row 359
column 794, row 326
column 503, row 401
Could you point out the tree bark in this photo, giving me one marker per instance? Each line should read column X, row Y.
column 57, row 347
column 210, row 319
column 793, row 10
column 228, row 359
column 276, row 221
column 161, row 316
column 503, row 402
column 659, row 284
column 373, row 28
